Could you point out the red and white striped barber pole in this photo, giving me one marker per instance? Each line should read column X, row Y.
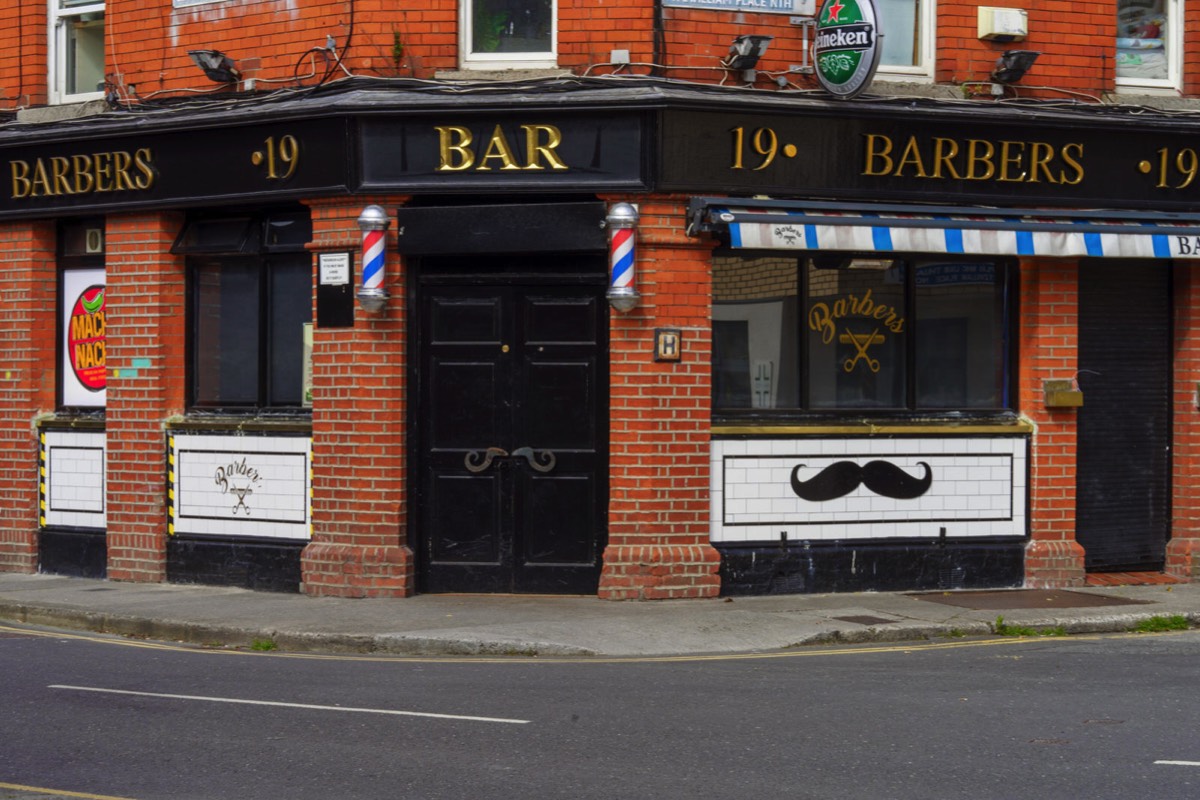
column 622, row 221
column 373, row 222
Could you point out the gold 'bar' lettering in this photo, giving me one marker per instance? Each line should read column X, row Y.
column 535, row 152
column 454, row 148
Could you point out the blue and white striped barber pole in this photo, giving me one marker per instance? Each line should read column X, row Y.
column 978, row 235
column 622, row 291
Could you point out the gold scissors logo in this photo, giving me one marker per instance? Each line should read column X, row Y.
column 861, row 342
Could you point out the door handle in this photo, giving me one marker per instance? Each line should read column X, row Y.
column 540, row 460
column 478, row 462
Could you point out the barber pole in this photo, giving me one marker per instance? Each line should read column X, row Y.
column 621, row 220
column 373, row 221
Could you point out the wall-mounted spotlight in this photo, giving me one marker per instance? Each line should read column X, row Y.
column 216, row 65
column 621, row 220
column 745, row 52
column 373, row 222
column 1013, row 64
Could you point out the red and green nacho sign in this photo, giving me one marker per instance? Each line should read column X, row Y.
column 85, row 339
column 846, row 49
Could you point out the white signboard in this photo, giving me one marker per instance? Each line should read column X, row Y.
column 83, row 372
column 800, row 8
column 254, row 486
column 71, row 488
column 868, row 488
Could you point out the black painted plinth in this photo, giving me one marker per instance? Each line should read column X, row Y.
column 80, row 554
column 870, row 567
column 263, row 566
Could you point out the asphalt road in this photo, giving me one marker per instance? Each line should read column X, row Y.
column 1082, row 717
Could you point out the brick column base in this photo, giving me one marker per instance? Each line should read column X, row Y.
column 660, row 572
column 1183, row 559
column 342, row 570
column 18, row 551
column 1053, row 565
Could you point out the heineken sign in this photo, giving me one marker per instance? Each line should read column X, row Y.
column 846, row 50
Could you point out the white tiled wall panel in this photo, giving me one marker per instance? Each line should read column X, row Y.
column 978, row 489
column 241, row 485
column 73, row 484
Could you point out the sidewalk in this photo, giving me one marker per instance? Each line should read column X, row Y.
column 566, row 626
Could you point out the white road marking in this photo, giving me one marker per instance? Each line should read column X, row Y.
column 290, row 705
column 1180, row 763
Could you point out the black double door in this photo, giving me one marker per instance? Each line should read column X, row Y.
column 511, row 434
column 1123, row 479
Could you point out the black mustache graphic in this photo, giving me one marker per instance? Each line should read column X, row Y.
column 881, row 477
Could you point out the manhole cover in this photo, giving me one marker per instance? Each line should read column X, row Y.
column 1025, row 598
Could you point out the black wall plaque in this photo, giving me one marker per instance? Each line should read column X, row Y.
column 521, row 228
column 900, row 154
column 133, row 170
column 335, row 290
column 512, row 152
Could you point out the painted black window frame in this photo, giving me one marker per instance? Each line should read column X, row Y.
column 1006, row 412
column 251, row 242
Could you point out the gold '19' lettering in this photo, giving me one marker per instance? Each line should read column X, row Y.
column 83, row 173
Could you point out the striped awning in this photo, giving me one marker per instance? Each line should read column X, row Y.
column 805, row 225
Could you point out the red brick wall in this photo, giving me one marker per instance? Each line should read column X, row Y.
column 660, row 416
column 146, row 378
column 148, row 43
column 1048, row 350
column 28, row 328
column 359, row 547
column 1076, row 40
column 23, row 60
column 1183, row 551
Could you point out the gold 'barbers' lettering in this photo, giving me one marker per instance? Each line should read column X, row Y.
column 83, row 173
column 942, row 158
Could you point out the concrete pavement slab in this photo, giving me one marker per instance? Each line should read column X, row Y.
column 554, row 626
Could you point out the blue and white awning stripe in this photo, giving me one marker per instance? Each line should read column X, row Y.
column 1056, row 234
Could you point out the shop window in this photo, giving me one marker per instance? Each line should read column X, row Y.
column 509, row 34
column 76, row 55
column 1149, row 44
column 833, row 333
column 907, row 28
column 250, row 300
column 82, row 373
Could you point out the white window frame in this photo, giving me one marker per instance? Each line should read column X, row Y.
column 923, row 69
column 60, row 14
column 1173, row 83
column 502, row 61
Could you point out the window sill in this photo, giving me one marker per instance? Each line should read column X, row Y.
column 976, row 427
column 298, row 423
column 73, row 420
column 63, row 111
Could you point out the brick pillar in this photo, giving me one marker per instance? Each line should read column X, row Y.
column 146, row 343
column 1049, row 346
column 1183, row 551
column 660, row 420
column 27, row 381
column 359, row 546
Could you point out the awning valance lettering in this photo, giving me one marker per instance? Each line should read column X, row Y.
column 806, row 225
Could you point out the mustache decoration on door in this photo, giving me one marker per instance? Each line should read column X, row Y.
column 843, row 477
